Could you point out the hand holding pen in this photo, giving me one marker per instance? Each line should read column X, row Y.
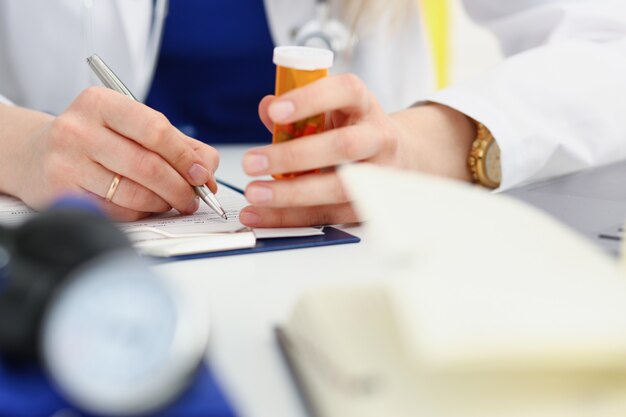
column 110, row 80
column 101, row 135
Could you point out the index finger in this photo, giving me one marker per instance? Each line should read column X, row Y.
column 152, row 130
column 341, row 92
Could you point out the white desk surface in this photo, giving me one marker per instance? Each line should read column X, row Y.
column 250, row 294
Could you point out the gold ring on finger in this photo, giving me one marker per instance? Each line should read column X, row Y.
column 113, row 187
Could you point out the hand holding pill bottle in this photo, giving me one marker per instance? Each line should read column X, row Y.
column 297, row 66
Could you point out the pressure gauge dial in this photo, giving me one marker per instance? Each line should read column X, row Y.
column 117, row 340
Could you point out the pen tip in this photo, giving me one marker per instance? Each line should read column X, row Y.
column 224, row 216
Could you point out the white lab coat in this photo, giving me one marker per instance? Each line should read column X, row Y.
column 555, row 105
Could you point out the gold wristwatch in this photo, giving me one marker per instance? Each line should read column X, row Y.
column 484, row 159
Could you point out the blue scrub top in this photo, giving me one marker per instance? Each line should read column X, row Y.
column 214, row 67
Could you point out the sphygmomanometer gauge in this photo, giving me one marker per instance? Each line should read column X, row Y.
column 118, row 340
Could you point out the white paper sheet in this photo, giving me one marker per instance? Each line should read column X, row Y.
column 13, row 212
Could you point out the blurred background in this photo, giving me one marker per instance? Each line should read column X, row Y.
column 480, row 49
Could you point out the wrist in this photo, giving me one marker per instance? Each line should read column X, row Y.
column 436, row 139
column 18, row 128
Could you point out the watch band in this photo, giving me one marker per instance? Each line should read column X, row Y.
column 478, row 158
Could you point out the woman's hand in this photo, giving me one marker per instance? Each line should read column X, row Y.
column 430, row 138
column 100, row 135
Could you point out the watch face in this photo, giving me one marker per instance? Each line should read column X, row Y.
column 493, row 168
column 115, row 339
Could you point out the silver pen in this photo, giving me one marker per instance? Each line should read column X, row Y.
column 110, row 80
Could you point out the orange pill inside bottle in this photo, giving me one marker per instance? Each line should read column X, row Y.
column 297, row 66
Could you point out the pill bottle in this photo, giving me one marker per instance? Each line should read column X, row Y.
column 297, row 66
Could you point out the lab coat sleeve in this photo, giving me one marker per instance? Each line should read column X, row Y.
column 558, row 101
column 4, row 100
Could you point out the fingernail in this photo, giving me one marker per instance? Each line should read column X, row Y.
column 250, row 218
column 259, row 195
column 255, row 164
column 193, row 206
column 281, row 110
column 199, row 174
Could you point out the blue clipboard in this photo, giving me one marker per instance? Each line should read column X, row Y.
column 331, row 236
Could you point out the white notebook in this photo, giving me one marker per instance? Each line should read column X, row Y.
column 488, row 308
